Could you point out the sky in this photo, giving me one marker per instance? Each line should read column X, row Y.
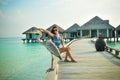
column 16, row 16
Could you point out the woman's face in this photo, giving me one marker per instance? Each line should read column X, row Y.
column 55, row 30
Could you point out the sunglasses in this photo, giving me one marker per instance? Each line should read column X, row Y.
column 55, row 30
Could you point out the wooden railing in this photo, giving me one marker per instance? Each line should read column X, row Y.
column 113, row 51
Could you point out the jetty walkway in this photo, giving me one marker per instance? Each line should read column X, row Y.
column 91, row 65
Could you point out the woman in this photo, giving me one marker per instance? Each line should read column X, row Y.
column 54, row 34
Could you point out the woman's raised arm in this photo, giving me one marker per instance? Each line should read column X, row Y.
column 48, row 32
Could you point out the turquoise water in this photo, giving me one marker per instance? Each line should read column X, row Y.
column 23, row 61
column 115, row 45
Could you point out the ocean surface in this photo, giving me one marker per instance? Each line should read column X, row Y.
column 23, row 61
column 115, row 45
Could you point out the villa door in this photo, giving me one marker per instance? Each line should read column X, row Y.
column 30, row 36
column 94, row 33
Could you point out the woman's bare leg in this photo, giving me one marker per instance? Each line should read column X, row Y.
column 68, row 54
column 63, row 50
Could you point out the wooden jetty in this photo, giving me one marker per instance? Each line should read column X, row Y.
column 91, row 65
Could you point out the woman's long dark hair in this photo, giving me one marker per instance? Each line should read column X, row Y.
column 52, row 31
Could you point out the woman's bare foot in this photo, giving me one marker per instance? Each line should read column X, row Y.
column 73, row 61
column 66, row 61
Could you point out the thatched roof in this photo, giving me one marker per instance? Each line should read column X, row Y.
column 61, row 30
column 118, row 28
column 32, row 30
column 96, row 23
column 73, row 28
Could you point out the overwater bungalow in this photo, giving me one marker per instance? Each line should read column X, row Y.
column 31, row 35
column 97, row 27
column 118, row 31
column 71, row 32
column 61, row 30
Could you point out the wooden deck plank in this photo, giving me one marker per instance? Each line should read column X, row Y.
column 91, row 65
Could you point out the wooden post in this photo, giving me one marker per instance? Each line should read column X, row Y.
column 106, row 48
column 110, row 50
column 107, row 39
column 114, row 38
column 27, row 40
column 116, row 52
column 117, row 39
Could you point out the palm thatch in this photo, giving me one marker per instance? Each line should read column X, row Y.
column 96, row 23
column 61, row 30
column 73, row 28
column 32, row 30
